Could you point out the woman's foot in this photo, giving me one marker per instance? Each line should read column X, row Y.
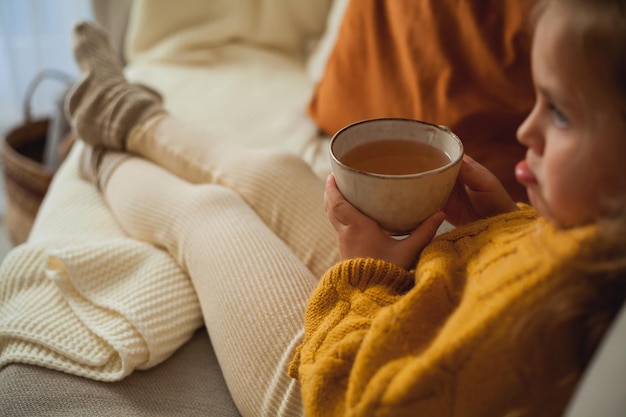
column 103, row 107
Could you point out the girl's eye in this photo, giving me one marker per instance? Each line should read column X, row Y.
column 559, row 119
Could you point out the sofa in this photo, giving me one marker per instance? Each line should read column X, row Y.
column 265, row 73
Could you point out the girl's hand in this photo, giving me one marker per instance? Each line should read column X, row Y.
column 358, row 236
column 477, row 194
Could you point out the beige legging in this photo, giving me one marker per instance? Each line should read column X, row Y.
column 249, row 228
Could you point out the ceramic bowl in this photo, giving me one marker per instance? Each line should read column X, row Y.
column 398, row 202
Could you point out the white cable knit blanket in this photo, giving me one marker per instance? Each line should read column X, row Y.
column 98, row 308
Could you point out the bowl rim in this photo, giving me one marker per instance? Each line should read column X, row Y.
column 452, row 163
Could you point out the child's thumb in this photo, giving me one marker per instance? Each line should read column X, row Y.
column 413, row 245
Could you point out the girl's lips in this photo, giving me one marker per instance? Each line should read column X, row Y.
column 524, row 175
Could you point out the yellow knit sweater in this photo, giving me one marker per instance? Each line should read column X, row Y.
column 380, row 341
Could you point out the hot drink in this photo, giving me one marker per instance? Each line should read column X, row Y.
column 395, row 157
column 415, row 165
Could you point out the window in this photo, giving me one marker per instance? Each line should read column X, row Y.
column 35, row 35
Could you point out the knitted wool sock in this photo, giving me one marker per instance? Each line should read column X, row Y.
column 103, row 106
column 97, row 164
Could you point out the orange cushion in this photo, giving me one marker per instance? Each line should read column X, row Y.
column 459, row 63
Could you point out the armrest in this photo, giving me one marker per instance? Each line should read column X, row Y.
column 601, row 390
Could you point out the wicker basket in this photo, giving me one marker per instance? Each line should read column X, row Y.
column 26, row 177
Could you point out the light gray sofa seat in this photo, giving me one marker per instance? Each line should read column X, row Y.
column 190, row 383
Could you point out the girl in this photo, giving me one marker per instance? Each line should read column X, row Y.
column 501, row 315
column 497, row 317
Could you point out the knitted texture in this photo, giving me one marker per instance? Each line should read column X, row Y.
column 251, row 287
column 89, row 302
column 97, row 164
column 264, row 178
column 379, row 341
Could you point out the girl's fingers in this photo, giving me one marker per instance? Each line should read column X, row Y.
column 475, row 176
column 406, row 252
column 338, row 210
column 420, row 237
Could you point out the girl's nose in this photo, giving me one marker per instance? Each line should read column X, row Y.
column 529, row 132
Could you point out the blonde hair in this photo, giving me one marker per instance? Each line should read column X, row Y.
column 600, row 32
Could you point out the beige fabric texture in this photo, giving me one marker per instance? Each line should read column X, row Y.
column 90, row 301
column 193, row 27
column 240, row 91
column 283, row 191
column 251, row 285
column 188, row 384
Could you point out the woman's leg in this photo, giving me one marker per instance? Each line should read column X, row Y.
column 251, row 287
column 280, row 187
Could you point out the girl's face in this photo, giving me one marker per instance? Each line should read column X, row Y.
column 576, row 133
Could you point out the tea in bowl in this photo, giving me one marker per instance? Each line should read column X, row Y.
column 396, row 171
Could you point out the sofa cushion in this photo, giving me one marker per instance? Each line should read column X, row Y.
column 164, row 27
column 190, row 383
column 463, row 64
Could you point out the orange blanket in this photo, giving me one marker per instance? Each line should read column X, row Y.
column 463, row 64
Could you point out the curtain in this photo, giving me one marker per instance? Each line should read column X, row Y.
column 35, row 35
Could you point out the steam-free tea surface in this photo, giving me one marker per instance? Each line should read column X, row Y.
column 395, row 157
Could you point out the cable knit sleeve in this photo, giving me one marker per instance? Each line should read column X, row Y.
column 338, row 317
